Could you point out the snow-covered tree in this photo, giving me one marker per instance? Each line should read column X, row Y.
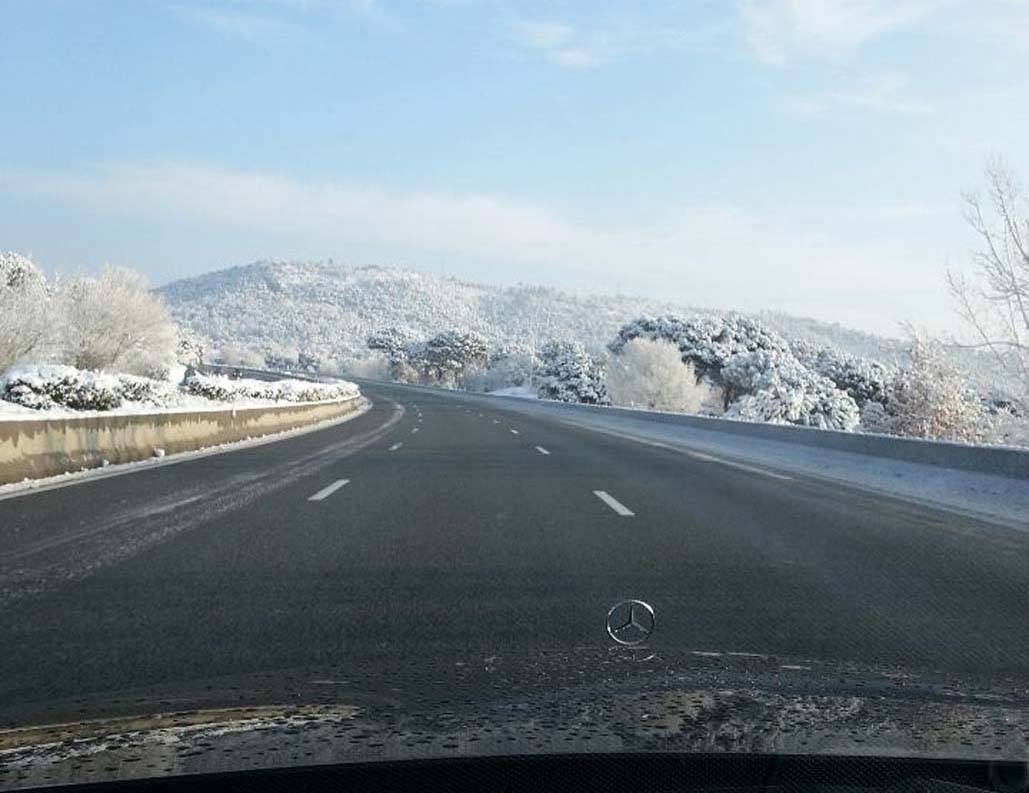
column 443, row 359
column 874, row 418
column 189, row 351
column 994, row 299
column 25, row 311
column 308, row 362
column 446, row 356
column 863, row 379
column 760, row 377
column 652, row 374
column 568, row 373
column 930, row 399
column 113, row 321
column 395, row 346
column 773, row 386
column 393, row 342
column 705, row 341
column 19, row 272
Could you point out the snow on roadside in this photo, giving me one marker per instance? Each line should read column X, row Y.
column 225, row 389
column 52, row 391
column 520, row 391
column 9, row 410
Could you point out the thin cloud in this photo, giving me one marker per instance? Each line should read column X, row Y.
column 585, row 46
column 699, row 257
column 559, row 43
column 245, row 25
column 884, row 93
column 777, row 30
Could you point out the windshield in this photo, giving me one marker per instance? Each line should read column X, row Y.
column 402, row 379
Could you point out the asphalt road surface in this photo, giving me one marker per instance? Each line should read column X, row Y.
column 439, row 524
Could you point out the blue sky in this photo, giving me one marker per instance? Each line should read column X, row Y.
column 800, row 155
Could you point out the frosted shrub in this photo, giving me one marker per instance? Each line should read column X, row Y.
column 930, row 399
column 651, row 374
column 223, row 389
column 113, row 321
column 49, row 386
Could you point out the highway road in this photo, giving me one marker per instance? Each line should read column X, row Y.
column 440, row 525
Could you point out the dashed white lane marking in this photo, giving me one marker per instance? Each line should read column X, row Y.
column 795, row 667
column 541, row 450
column 395, row 446
column 614, row 503
column 414, row 430
column 325, row 492
column 496, row 421
column 514, row 432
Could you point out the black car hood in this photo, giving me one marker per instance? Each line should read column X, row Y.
column 488, row 704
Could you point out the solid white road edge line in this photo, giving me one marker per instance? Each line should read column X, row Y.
column 741, row 466
column 325, row 492
column 614, row 503
column 688, row 452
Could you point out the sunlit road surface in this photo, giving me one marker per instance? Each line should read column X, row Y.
column 441, row 524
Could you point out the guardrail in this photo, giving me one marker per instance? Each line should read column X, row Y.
column 267, row 375
column 36, row 447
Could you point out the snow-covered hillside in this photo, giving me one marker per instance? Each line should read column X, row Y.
column 327, row 310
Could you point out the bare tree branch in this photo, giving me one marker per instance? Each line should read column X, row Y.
column 994, row 299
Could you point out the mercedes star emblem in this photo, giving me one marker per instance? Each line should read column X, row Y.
column 630, row 622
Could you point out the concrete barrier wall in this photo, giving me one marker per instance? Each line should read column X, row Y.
column 31, row 448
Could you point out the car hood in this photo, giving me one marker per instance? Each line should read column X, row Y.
column 491, row 703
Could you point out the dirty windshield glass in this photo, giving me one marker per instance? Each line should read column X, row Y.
column 389, row 380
